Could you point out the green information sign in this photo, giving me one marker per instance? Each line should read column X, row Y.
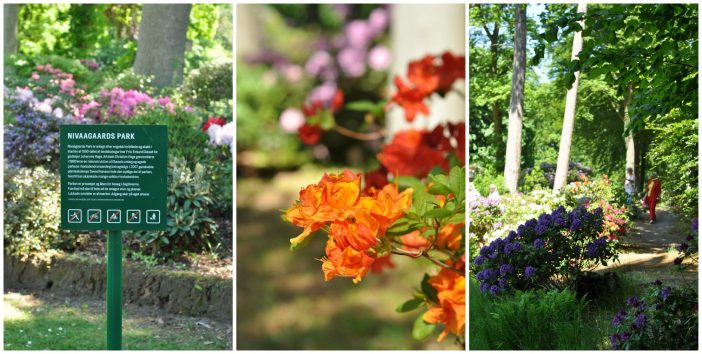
column 113, row 177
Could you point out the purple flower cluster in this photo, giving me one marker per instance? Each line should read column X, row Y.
column 350, row 53
column 33, row 139
column 553, row 242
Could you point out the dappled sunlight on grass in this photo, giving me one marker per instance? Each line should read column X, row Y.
column 33, row 324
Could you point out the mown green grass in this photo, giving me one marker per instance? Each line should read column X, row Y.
column 35, row 325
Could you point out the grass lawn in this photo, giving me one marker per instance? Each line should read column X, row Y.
column 33, row 323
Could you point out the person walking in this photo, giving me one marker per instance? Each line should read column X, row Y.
column 653, row 193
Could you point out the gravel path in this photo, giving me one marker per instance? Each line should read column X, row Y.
column 649, row 249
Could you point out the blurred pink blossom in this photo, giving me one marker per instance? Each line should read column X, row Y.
column 291, row 120
column 379, row 58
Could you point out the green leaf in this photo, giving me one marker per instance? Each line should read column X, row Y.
column 438, row 213
column 429, row 290
column 421, row 330
column 363, row 106
column 410, row 305
column 551, row 35
column 409, row 182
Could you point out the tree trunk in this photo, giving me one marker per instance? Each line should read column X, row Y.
column 496, row 111
column 561, row 177
column 10, row 28
column 629, row 138
column 162, row 38
column 513, row 155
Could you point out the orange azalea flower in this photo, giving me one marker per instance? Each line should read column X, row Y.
column 450, row 236
column 324, row 202
column 414, row 242
column 381, row 263
column 451, row 309
column 424, row 75
column 387, row 204
column 341, row 191
column 359, row 234
column 310, row 212
column 346, row 262
column 411, row 99
column 409, row 154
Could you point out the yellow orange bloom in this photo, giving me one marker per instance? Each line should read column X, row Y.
column 346, row 262
column 310, row 212
column 387, row 204
column 341, row 191
column 450, row 236
column 451, row 309
column 360, row 234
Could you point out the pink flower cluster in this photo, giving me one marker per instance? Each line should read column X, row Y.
column 123, row 104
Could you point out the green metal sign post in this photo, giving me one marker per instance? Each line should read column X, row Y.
column 114, row 290
column 113, row 177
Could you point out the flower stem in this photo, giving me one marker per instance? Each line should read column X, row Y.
column 359, row 136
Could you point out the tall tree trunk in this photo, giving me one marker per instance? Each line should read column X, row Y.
column 10, row 28
column 162, row 38
column 513, row 155
column 629, row 138
column 561, row 177
column 494, row 37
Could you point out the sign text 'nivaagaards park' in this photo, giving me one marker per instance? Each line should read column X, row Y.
column 113, row 177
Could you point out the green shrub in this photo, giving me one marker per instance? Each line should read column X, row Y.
column 32, row 212
column 673, row 155
column 128, row 80
column 21, row 68
column 665, row 318
column 185, row 138
column 534, row 179
column 534, row 320
column 208, row 84
column 482, row 178
column 189, row 224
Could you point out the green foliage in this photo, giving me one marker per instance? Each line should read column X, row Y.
column 19, row 69
column 209, row 83
column 533, row 320
column 42, row 28
column 189, row 222
column 535, row 179
column 129, row 80
column 651, row 47
column 32, row 212
column 185, row 139
column 674, row 157
column 483, row 177
column 261, row 96
column 202, row 32
column 665, row 318
column 426, row 213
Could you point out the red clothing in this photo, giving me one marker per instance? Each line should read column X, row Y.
column 653, row 192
